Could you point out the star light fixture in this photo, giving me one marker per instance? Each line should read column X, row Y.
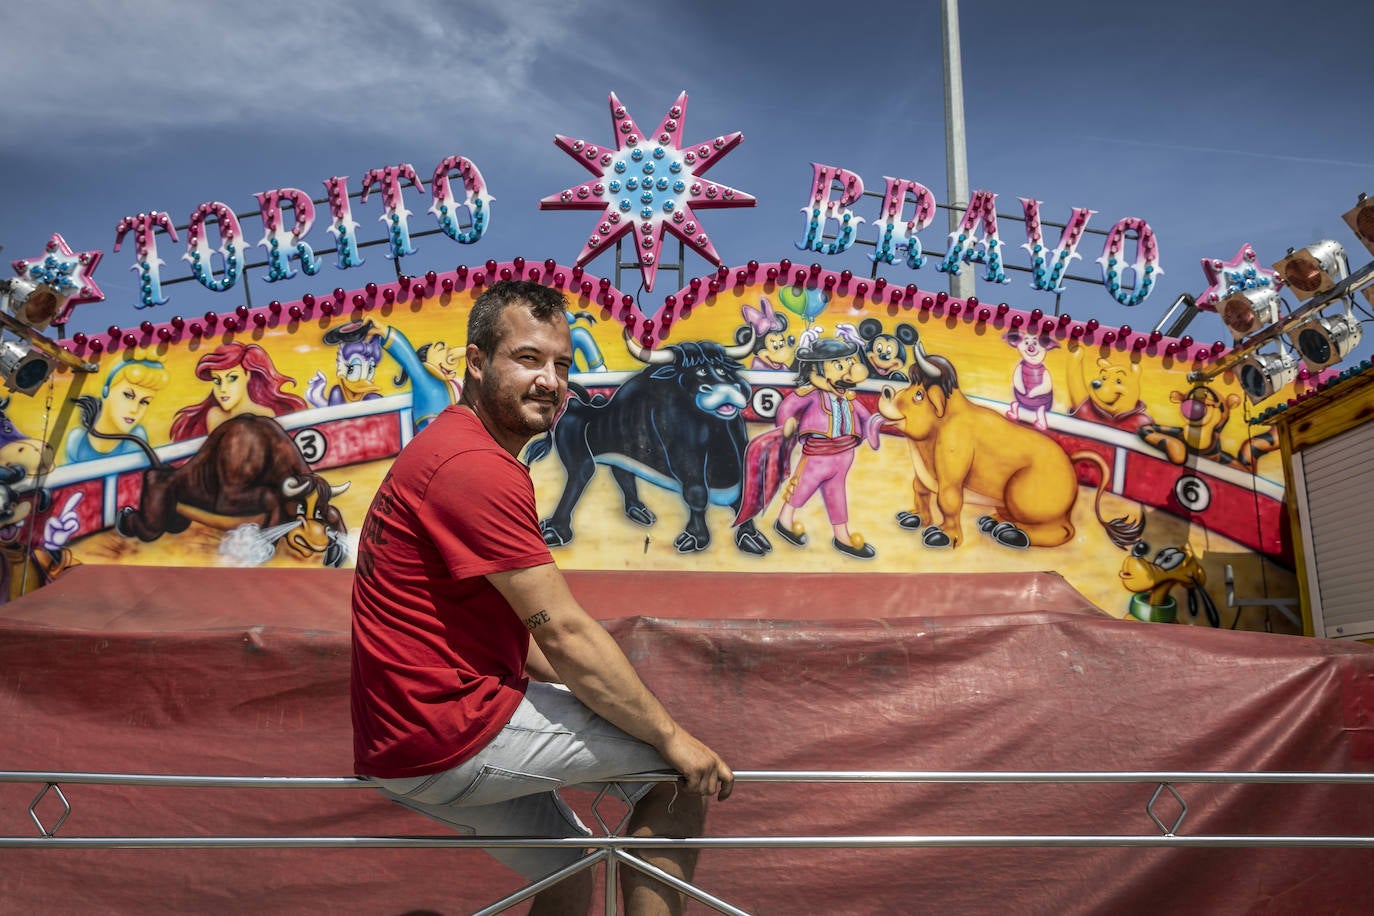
column 1225, row 278
column 648, row 183
column 66, row 272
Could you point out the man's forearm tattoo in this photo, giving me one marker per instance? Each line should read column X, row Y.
column 535, row 619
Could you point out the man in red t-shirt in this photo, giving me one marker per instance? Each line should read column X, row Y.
column 453, row 579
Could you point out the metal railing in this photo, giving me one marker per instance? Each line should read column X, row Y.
column 613, row 849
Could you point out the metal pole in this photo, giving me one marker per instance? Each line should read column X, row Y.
column 961, row 285
column 1271, row 777
column 836, row 841
column 612, row 880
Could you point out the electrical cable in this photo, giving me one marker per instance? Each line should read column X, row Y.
column 1259, row 534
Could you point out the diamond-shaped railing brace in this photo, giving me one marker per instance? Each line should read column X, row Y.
column 33, row 809
column 1182, row 806
column 612, row 788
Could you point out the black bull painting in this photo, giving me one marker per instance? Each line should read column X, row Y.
column 677, row 424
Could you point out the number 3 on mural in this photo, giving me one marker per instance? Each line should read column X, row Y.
column 1192, row 493
column 312, row 445
column 765, row 402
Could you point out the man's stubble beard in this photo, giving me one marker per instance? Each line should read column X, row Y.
column 512, row 418
column 509, row 415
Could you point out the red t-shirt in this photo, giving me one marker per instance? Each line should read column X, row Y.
column 438, row 654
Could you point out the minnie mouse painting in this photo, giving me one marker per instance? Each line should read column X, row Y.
column 774, row 348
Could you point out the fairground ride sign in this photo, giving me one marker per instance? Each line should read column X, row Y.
column 643, row 184
column 1084, row 438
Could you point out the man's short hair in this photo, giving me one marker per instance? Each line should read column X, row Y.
column 484, row 321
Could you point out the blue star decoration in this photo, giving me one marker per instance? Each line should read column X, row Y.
column 648, row 183
column 65, row 271
column 1239, row 273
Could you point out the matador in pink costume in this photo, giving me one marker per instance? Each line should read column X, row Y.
column 824, row 414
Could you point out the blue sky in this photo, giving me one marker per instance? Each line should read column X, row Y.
column 1194, row 116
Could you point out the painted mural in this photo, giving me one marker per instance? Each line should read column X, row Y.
column 764, row 425
column 767, row 416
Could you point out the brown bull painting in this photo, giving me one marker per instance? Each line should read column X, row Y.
column 248, row 471
column 964, row 452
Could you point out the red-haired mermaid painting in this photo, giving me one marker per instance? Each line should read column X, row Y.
column 245, row 381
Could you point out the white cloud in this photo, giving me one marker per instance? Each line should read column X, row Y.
column 133, row 68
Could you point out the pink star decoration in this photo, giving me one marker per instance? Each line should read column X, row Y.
column 1227, row 277
column 66, row 271
column 648, row 183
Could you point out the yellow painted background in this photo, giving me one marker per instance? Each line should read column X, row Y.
column 879, row 483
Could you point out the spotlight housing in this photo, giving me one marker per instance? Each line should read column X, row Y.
column 1325, row 340
column 23, row 367
column 1360, row 219
column 30, row 303
column 1263, row 374
column 1249, row 310
column 1314, row 269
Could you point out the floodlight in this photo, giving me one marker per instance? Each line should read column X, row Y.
column 1325, row 340
column 1249, row 310
column 31, row 303
column 1263, row 374
column 1361, row 221
column 23, row 367
column 1314, row 269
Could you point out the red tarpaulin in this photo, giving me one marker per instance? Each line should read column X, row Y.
column 244, row 672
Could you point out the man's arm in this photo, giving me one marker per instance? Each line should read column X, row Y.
column 591, row 664
column 538, row 667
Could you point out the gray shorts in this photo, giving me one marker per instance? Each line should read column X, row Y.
column 510, row 787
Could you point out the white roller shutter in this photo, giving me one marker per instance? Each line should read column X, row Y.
column 1335, row 480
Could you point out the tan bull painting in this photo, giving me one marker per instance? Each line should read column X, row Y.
column 758, row 426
